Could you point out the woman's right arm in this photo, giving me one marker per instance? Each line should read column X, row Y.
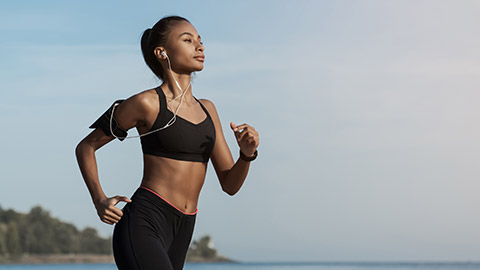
column 87, row 162
column 130, row 113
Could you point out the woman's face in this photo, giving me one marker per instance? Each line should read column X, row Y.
column 184, row 48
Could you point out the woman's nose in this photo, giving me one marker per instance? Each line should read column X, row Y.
column 200, row 47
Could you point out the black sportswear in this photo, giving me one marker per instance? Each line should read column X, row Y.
column 103, row 122
column 152, row 234
column 183, row 140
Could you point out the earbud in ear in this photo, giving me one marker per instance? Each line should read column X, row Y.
column 163, row 53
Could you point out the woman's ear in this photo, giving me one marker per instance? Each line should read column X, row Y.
column 158, row 52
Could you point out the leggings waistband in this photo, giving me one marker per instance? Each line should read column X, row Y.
column 163, row 199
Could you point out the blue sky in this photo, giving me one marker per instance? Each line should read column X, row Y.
column 367, row 113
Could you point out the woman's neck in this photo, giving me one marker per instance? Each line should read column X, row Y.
column 172, row 88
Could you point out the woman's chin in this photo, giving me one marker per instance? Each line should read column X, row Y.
column 198, row 68
column 191, row 69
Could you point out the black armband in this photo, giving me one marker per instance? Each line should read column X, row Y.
column 104, row 123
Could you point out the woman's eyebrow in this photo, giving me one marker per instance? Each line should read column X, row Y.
column 188, row 33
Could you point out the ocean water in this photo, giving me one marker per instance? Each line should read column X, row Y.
column 272, row 266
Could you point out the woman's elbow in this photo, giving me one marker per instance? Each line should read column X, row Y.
column 229, row 191
column 78, row 149
column 82, row 148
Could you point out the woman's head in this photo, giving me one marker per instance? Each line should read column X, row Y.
column 177, row 38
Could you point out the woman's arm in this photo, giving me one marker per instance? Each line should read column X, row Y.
column 87, row 162
column 129, row 114
column 231, row 175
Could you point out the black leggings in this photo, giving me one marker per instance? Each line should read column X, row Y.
column 152, row 234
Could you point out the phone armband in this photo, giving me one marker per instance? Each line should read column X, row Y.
column 103, row 122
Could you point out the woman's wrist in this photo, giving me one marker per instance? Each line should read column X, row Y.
column 248, row 158
column 99, row 198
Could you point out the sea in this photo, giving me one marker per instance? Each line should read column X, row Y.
column 273, row 266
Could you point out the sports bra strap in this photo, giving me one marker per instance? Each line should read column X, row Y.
column 163, row 103
column 203, row 107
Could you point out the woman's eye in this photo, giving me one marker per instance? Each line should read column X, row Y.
column 188, row 40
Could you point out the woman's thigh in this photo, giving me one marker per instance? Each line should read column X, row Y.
column 137, row 244
column 152, row 234
column 179, row 246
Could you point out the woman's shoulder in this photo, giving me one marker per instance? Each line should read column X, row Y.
column 210, row 106
column 207, row 103
column 142, row 102
column 146, row 95
column 145, row 100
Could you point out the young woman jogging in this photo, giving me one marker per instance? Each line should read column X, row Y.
column 179, row 134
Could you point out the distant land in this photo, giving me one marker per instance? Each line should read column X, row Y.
column 36, row 237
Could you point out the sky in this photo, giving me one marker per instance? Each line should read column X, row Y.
column 367, row 113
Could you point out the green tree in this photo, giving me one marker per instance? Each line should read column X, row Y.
column 13, row 240
column 91, row 243
column 203, row 248
column 42, row 231
column 38, row 233
column 66, row 237
column 3, row 240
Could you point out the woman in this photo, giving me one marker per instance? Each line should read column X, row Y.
column 154, row 229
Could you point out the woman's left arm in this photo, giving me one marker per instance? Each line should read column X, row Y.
column 231, row 174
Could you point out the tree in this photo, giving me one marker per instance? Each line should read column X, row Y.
column 13, row 240
column 3, row 241
column 203, row 248
column 38, row 233
column 90, row 242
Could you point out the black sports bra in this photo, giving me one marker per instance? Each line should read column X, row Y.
column 183, row 140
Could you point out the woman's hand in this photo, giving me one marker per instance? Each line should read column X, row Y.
column 107, row 211
column 247, row 138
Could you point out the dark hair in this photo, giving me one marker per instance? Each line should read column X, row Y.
column 157, row 36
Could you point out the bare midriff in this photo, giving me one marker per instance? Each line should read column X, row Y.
column 177, row 181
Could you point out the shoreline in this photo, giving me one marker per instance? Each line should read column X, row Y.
column 58, row 259
column 88, row 259
column 108, row 259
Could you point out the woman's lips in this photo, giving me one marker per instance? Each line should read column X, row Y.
column 200, row 58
